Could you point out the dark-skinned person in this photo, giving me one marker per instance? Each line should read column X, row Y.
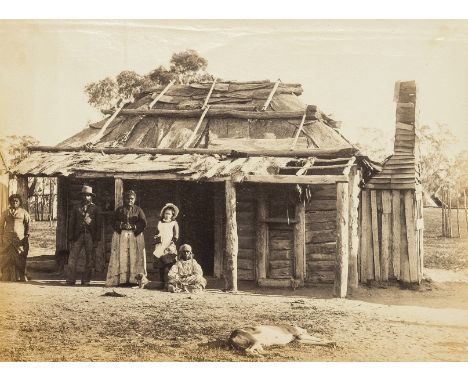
column 14, row 240
column 127, row 264
column 186, row 275
column 84, row 231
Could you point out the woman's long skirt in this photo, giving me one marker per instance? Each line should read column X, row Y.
column 128, row 259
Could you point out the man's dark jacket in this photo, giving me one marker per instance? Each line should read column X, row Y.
column 77, row 224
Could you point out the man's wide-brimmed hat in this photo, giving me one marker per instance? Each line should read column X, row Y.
column 171, row 206
column 87, row 190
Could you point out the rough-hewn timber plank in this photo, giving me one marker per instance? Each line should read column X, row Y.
column 299, row 242
column 375, row 236
column 404, row 260
column 261, row 245
column 411, row 232
column 366, row 259
column 386, row 233
column 396, row 232
column 342, row 240
column 232, row 240
column 354, row 190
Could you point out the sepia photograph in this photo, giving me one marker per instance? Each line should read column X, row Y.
column 233, row 190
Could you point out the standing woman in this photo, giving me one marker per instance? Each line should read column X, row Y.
column 166, row 237
column 128, row 256
column 14, row 240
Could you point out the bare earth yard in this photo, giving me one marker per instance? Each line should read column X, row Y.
column 46, row 321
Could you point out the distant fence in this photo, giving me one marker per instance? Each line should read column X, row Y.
column 450, row 200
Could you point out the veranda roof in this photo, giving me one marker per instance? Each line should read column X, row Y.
column 190, row 166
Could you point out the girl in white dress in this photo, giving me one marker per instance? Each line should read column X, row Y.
column 167, row 234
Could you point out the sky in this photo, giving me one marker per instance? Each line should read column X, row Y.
column 347, row 68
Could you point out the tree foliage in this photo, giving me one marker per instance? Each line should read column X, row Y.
column 437, row 167
column 184, row 67
column 376, row 143
column 435, row 164
column 102, row 93
column 16, row 147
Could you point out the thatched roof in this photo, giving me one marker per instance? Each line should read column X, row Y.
column 171, row 121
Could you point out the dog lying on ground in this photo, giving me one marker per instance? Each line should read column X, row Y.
column 253, row 339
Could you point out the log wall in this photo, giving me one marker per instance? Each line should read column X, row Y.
column 246, row 230
column 320, row 235
column 391, row 236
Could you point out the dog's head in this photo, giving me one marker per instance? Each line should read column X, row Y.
column 299, row 331
column 139, row 276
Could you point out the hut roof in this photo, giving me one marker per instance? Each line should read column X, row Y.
column 205, row 131
column 191, row 166
column 259, row 114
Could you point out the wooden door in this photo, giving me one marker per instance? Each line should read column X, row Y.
column 280, row 223
column 281, row 251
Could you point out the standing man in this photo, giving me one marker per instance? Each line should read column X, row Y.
column 84, row 230
column 14, row 236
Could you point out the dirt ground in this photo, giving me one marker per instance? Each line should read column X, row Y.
column 44, row 320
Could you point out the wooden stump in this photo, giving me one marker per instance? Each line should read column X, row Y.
column 61, row 242
column 354, row 190
column 232, row 240
column 118, row 189
column 342, row 238
column 299, row 242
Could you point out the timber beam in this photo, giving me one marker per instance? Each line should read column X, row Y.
column 295, row 179
column 217, row 113
column 318, row 153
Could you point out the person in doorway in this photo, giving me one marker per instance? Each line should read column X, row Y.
column 127, row 264
column 84, row 231
column 167, row 234
column 186, row 275
column 14, row 236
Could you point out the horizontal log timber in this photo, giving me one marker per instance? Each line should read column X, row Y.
column 279, row 220
column 320, row 257
column 323, row 153
column 245, row 274
column 246, row 253
column 321, row 278
column 278, row 264
column 281, row 254
column 241, row 114
column 320, row 216
column 296, row 179
column 391, row 186
column 319, row 226
column 274, row 283
column 325, row 248
column 281, row 273
column 324, row 236
column 322, row 265
column 245, row 264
